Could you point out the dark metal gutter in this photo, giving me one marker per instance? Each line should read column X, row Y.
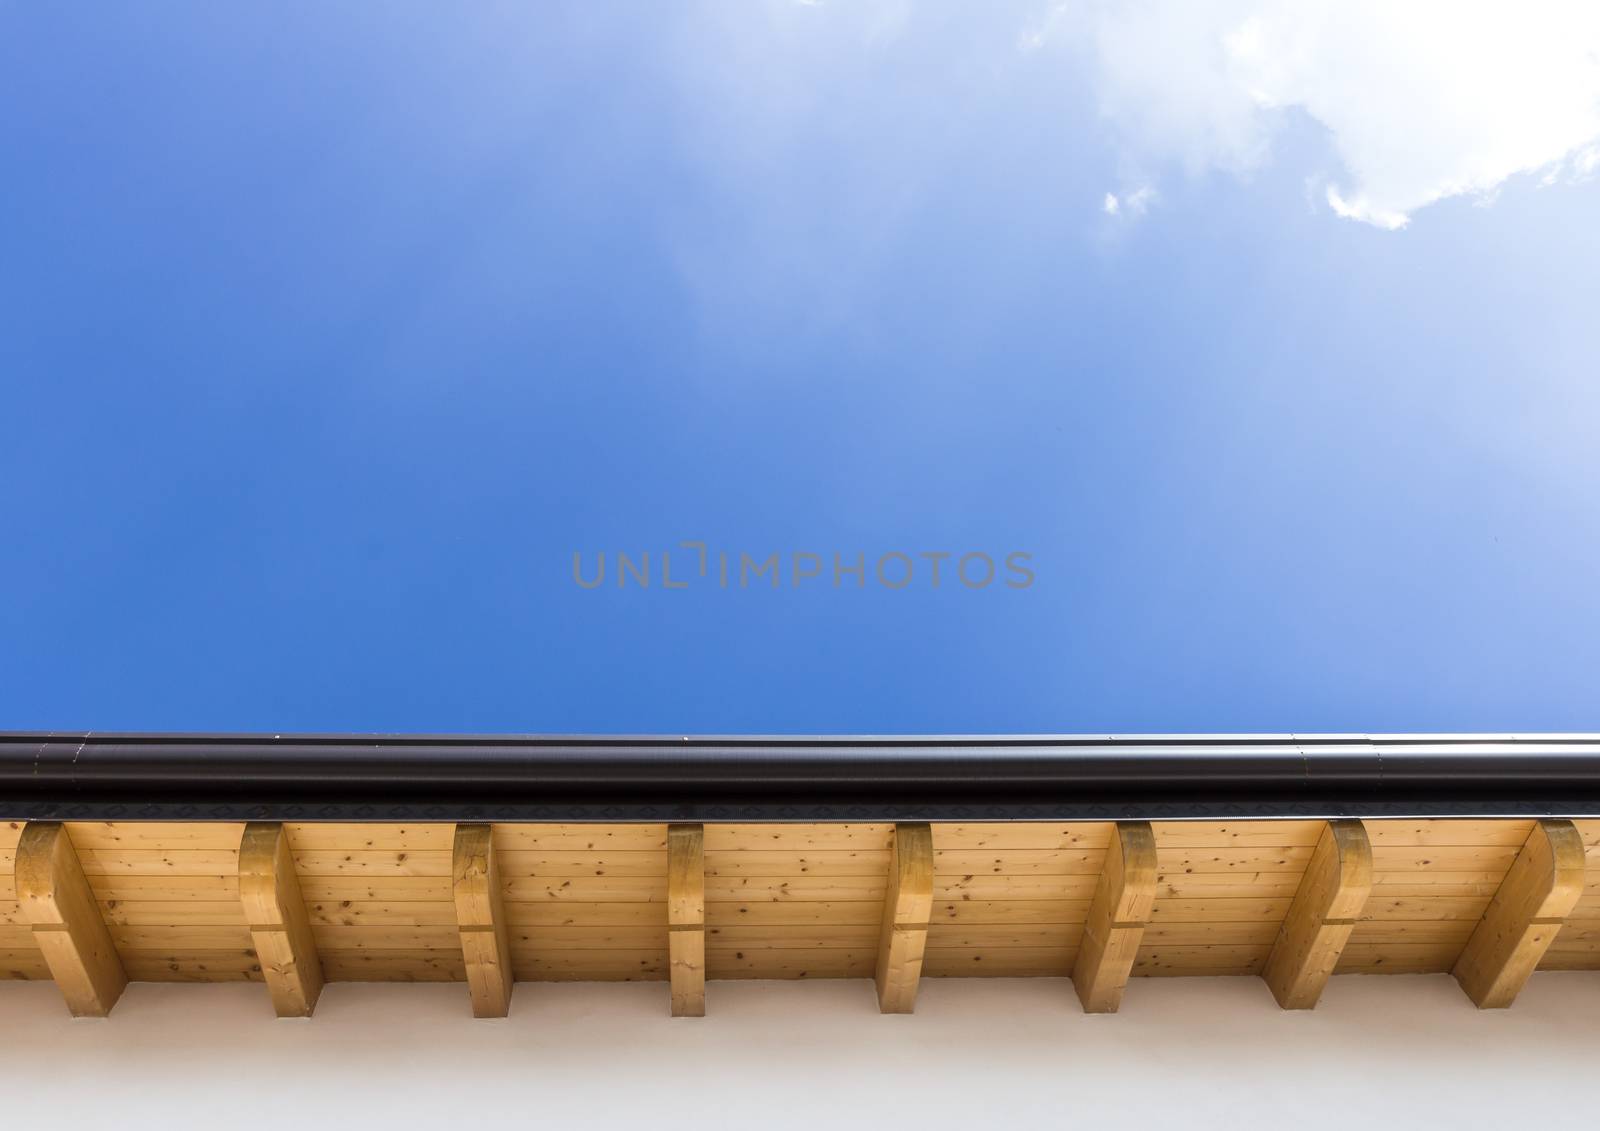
column 1043, row 777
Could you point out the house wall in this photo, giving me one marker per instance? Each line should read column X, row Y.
column 1197, row 1053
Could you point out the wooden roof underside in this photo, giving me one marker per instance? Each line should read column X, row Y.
column 94, row 905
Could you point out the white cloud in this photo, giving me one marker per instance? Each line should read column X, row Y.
column 1422, row 99
column 1135, row 203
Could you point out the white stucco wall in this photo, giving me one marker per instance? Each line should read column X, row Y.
column 1190, row 1053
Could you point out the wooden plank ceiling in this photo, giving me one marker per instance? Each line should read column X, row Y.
column 94, row 905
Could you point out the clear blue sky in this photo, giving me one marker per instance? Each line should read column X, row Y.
column 325, row 341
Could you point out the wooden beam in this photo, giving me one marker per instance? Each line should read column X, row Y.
column 276, row 915
column 1525, row 915
column 907, row 907
column 67, row 925
column 1122, row 903
column 686, row 918
column 481, row 920
column 1330, row 898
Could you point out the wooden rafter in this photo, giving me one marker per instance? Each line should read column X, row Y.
column 481, row 919
column 686, row 918
column 1526, row 914
column 907, row 907
column 581, row 901
column 275, row 911
column 67, row 924
column 1123, row 900
column 1331, row 896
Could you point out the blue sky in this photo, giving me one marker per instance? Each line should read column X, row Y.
column 326, row 341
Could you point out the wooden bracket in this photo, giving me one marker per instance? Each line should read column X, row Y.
column 481, row 920
column 907, row 907
column 1122, row 904
column 686, row 918
column 67, row 925
column 1526, row 914
column 269, row 889
column 1330, row 899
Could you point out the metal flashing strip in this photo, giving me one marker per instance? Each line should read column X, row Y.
column 91, row 776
